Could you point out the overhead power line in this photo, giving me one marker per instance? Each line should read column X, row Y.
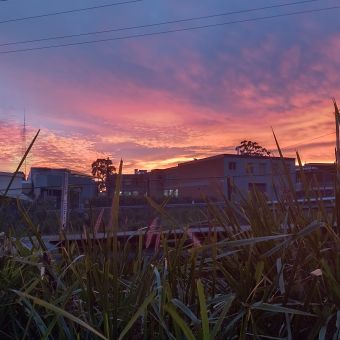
column 173, row 30
column 302, row 143
column 68, row 11
column 256, row 9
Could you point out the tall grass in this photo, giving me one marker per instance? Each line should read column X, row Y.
column 277, row 279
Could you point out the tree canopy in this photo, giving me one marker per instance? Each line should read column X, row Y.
column 101, row 169
column 251, row 148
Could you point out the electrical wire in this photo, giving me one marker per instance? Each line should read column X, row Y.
column 172, row 30
column 300, row 144
column 156, row 24
column 68, row 11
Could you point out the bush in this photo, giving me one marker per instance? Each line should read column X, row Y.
column 278, row 277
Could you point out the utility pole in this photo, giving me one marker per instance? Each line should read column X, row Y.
column 64, row 202
column 337, row 165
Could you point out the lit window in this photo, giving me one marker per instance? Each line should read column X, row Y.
column 171, row 192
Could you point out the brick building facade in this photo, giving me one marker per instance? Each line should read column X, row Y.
column 226, row 174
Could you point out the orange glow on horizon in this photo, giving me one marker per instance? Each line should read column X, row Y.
column 152, row 126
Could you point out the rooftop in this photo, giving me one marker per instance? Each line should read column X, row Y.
column 10, row 174
column 232, row 155
column 72, row 172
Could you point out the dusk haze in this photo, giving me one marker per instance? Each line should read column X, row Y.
column 161, row 99
column 170, row 169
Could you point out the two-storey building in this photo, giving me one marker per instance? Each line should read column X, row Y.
column 226, row 174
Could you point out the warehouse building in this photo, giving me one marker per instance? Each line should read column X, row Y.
column 15, row 190
column 47, row 185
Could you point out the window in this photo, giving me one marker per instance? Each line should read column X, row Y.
column 262, row 168
column 170, row 192
column 276, row 168
column 51, row 192
column 232, row 165
column 249, row 168
column 231, row 182
column 298, row 177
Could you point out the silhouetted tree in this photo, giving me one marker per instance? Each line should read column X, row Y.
column 250, row 148
column 101, row 169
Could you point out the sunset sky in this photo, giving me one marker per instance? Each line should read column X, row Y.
column 158, row 100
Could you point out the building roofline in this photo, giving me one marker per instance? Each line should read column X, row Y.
column 7, row 173
column 133, row 174
column 317, row 167
column 319, row 164
column 155, row 170
column 230, row 155
column 72, row 172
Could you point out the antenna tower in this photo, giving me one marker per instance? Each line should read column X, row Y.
column 24, row 146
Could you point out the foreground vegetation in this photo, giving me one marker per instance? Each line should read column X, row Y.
column 278, row 279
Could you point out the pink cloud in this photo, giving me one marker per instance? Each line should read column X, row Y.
column 101, row 116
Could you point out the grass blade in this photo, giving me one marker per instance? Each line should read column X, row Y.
column 60, row 312
column 180, row 322
column 203, row 310
column 21, row 162
column 278, row 309
column 139, row 313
